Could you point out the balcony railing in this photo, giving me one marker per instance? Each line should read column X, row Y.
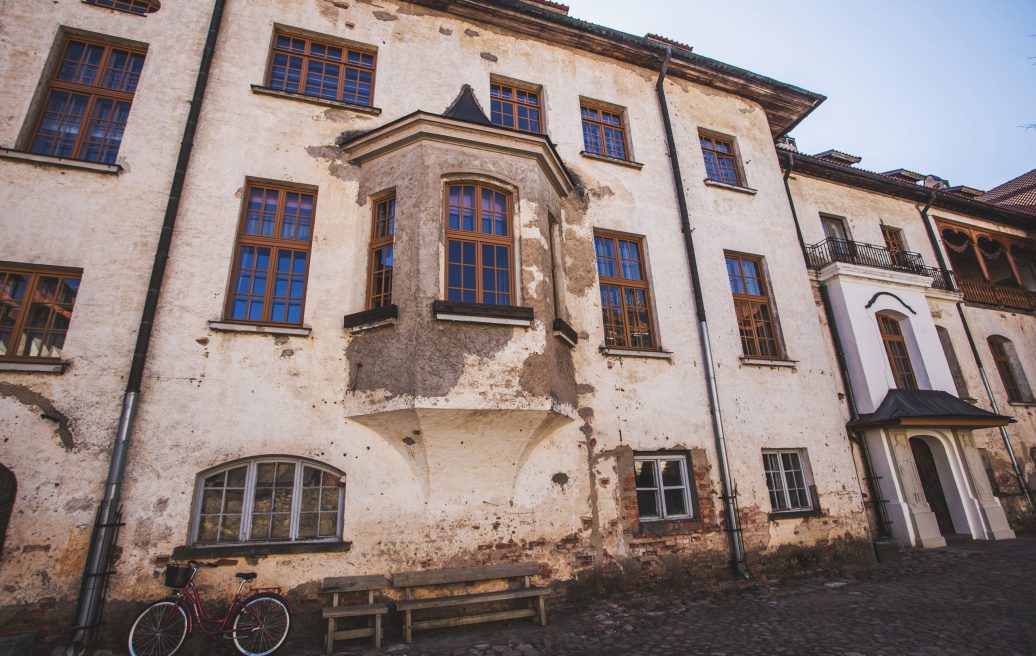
column 854, row 252
column 980, row 291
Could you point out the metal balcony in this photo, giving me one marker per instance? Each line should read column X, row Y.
column 879, row 257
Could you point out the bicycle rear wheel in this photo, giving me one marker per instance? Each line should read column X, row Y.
column 262, row 625
column 159, row 630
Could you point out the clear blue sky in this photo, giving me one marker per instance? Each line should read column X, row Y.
column 935, row 87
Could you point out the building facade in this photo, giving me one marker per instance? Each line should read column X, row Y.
column 462, row 282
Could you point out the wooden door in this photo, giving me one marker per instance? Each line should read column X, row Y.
column 930, row 483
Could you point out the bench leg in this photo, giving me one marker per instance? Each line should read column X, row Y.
column 543, row 611
column 330, row 635
column 407, row 628
column 377, row 631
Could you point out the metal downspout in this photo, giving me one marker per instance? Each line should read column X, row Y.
column 737, row 548
column 952, row 284
column 95, row 571
column 884, row 525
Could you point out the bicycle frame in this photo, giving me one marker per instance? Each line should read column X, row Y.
column 190, row 599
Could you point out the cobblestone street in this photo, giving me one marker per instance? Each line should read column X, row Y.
column 972, row 598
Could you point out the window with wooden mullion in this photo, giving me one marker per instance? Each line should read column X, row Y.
column 271, row 259
column 752, row 307
column 323, row 70
column 93, row 84
column 379, row 287
column 35, row 311
column 720, row 160
column 139, row 7
column 604, row 132
column 515, row 108
column 625, row 292
column 479, row 266
column 1006, row 369
column 898, row 354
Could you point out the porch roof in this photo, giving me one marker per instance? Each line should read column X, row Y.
column 927, row 408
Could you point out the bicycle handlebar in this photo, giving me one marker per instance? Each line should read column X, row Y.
column 199, row 563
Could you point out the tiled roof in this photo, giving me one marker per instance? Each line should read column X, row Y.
column 553, row 6
column 1018, row 194
column 666, row 40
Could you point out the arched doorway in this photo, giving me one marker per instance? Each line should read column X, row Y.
column 8, row 490
column 928, row 472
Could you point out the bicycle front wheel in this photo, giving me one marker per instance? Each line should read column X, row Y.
column 159, row 630
column 261, row 626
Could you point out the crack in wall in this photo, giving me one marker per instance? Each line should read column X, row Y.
column 33, row 399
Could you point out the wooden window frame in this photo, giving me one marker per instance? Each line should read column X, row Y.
column 745, row 304
column 275, row 244
column 895, row 242
column 1007, row 366
column 516, row 87
column 644, row 284
column 248, row 502
column 904, row 376
column 310, row 40
column 94, row 93
column 734, row 156
column 780, row 476
column 480, row 239
column 614, row 110
column 657, row 458
column 35, row 272
column 380, row 242
column 134, row 7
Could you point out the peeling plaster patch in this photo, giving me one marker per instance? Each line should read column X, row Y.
column 336, row 167
column 204, row 341
column 560, row 479
column 78, row 504
column 488, row 56
column 445, row 30
column 584, row 388
column 385, row 16
column 470, row 32
column 32, row 548
column 32, row 399
column 287, row 353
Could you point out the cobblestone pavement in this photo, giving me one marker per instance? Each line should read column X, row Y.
column 973, row 598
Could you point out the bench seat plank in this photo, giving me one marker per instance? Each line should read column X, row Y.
column 355, row 583
column 478, row 598
column 474, row 619
column 354, row 611
column 465, row 574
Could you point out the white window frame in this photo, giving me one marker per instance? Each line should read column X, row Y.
column 780, row 475
column 248, row 502
column 660, row 488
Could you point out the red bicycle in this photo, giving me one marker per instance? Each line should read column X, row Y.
column 257, row 621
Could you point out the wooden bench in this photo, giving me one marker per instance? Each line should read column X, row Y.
column 439, row 598
column 343, row 586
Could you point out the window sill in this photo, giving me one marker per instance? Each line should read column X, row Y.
column 763, row 362
column 651, row 527
column 360, row 322
column 251, row 550
column 724, row 185
column 633, row 353
column 227, row 327
column 34, row 367
column 313, row 100
column 614, row 160
column 564, row 332
column 1022, row 404
column 503, row 315
column 63, row 162
column 794, row 514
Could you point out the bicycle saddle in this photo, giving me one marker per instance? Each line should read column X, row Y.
column 246, row 576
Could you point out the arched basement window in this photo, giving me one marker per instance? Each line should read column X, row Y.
column 897, row 351
column 1010, row 369
column 268, row 499
column 959, row 382
column 139, row 7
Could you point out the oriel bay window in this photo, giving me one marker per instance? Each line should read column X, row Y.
column 479, row 245
column 268, row 500
column 625, row 292
column 379, row 288
column 35, row 310
column 271, row 257
column 896, row 349
column 87, row 101
column 752, row 306
column 330, row 71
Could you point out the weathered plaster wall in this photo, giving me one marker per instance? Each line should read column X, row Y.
column 55, row 430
